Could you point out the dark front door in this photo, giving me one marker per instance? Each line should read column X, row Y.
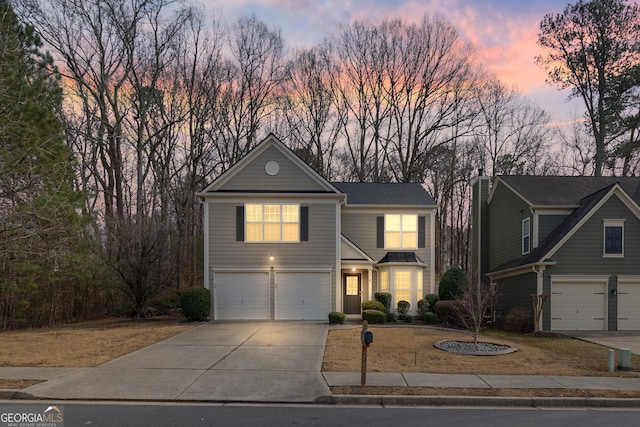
column 352, row 293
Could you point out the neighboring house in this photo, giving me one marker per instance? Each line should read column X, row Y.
column 576, row 239
column 283, row 243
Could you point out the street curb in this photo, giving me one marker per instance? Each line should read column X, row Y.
column 480, row 401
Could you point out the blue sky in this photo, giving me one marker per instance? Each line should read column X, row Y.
column 504, row 32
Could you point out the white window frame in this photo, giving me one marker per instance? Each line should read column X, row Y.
column 612, row 223
column 281, row 222
column 401, row 231
column 526, row 236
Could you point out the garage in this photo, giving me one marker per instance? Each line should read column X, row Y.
column 578, row 303
column 241, row 295
column 303, row 295
column 628, row 303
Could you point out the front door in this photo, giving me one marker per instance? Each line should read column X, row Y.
column 352, row 294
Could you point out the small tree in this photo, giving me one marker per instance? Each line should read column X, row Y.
column 472, row 306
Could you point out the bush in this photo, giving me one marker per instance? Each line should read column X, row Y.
column 403, row 308
column 429, row 318
column 385, row 299
column 372, row 305
column 518, row 320
column 165, row 305
column 432, row 299
column 196, row 303
column 446, row 312
column 422, row 307
column 452, row 283
column 408, row 318
column 392, row 317
column 373, row 316
column 337, row 317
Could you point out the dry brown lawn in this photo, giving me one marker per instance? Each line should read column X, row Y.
column 410, row 349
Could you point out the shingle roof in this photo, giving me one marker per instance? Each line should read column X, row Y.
column 567, row 190
column 366, row 193
column 408, row 257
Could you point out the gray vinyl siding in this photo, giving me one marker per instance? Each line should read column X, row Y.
column 254, row 178
column 317, row 253
column 582, row 253
column 548, row 223
column 506, row 211
column 515, row 292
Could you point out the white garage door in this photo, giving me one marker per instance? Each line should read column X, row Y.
column 628, row 303
column 241, row 295
column 303, row 295
column 578, row 304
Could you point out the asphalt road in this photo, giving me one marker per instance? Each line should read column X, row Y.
column 158, row 414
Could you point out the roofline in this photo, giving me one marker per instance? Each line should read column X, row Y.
column 378, row 206
column 367, row 259
column 255, row 195
column 495, row 185
column 519, row 269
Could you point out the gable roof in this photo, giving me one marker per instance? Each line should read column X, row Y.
column 270, row 141
column 367, row 193
column 572, row 223
column 564, row 190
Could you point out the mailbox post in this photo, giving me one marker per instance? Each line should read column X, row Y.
column 366, row 337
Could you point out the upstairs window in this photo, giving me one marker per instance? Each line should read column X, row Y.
column 526, row 236
column 401, row 231
column 272, row 222
column 613, row 238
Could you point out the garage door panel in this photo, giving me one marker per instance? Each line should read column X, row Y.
column 578, row 305
column 628, row 304
column 302, row 295
column 241, row 296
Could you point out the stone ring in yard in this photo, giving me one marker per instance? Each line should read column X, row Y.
column 469, row 348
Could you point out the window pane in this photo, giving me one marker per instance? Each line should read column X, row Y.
column 290, row 213
column 253, row 213
column 272, row 232
column 271, row 213
column 409, row 223
column 352, row 285
column 384, row 281
column 613, row 240
column 392, row 240
column 419, row 295
column 254, row 232
column 409, row 240
column 290, row 232
column 392, row 223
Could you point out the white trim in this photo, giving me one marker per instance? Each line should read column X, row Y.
column 526, row 250
column 263, row 222
column 337, row 285
column 417, row 231
column 602, row 280
column 565, row 278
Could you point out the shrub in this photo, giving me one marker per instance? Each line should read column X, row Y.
column 372, row 305
column 337, row 317
column 403, row 308
column 408, row 318
column 374, row 316
column 422, row 307
column 452, row 283
column 196, row 303
column 385, row 299
column 429, row 318
column 446, row 312
column 165, row 305
column 518, row 320
column 392, row 317
column 432, row 299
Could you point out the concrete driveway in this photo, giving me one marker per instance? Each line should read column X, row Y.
column 611, row 339
column 231, row 361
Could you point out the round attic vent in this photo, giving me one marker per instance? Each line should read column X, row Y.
column 272, row 168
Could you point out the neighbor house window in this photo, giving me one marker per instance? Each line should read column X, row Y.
column 401, row 231
column 526, row 236
column 403, row 286
column 384, row 281
column 272, row 222
column 613, row 238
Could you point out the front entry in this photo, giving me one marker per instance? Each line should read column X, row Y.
column 352, row 293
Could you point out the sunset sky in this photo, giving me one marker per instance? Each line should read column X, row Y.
column 504, row 32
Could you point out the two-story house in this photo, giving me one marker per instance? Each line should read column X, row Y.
column 576, row 239
column 283, row 243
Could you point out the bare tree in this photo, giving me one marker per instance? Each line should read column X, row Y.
column 473, row 306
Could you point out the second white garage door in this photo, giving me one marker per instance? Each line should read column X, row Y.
column 578, row 303
column 303, row 295
column 628, row 303
column 241, row 295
